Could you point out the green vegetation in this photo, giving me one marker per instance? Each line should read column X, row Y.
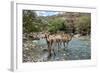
column 72, row 22
column 83, row 25
column 56, row 25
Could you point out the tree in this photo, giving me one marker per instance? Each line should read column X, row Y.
column 30, row 21
column 56, row 25
column 84, row 25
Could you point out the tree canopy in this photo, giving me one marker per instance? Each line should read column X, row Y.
column 61, row 22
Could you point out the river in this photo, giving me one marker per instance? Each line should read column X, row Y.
column 78, row 49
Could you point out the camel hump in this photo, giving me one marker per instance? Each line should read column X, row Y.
column 58, row 36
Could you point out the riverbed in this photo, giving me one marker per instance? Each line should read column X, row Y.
column 77, row 49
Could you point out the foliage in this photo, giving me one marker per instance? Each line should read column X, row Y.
column 84, row 25
column 30, row 21
column 56, row 24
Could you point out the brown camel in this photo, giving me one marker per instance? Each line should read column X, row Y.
column 66, row 38
column 50, row 40
column 57, row 38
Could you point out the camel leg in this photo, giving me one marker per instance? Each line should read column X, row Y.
column 60, row 42
column 54, row 52
column 58, row 47
column 49, row 50
column 66, row 45
column 52, row 45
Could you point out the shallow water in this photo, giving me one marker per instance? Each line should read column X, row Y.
column 77, row 49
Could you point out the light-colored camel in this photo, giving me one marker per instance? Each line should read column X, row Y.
column 66, row 38
column 50, row 40
column 59, row 39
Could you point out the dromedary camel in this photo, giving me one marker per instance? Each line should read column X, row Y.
column 57, row 38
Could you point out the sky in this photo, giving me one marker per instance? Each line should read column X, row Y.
column 46, row 13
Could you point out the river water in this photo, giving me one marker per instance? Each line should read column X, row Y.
column 77, row 49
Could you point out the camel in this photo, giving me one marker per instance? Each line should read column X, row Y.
column 57, row 38
column 50, row 40
column 66, row 38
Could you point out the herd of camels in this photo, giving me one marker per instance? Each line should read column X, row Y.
column 57, row 39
